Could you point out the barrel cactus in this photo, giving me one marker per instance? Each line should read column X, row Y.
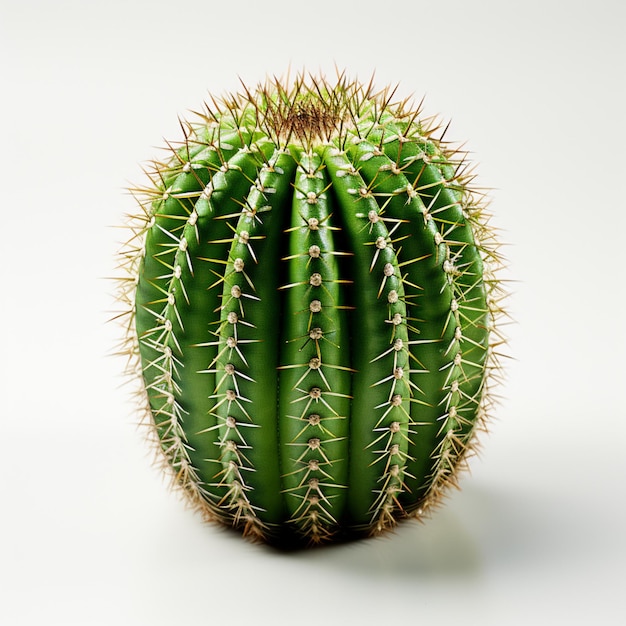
column 312, row 306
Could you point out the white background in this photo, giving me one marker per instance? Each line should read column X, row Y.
column 89, row 533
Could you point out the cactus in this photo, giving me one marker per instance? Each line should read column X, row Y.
column 312, row 304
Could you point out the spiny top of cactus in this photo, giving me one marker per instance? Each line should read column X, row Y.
column 305, row 114
column 310, row 109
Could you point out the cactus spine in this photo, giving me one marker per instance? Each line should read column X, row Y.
column 312, row 311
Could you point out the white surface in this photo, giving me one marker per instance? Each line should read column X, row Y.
column 89, row 535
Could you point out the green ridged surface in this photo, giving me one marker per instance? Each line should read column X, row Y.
column 311, row 313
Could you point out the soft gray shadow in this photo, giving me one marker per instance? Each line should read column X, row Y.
column 479, row 528
column 529, row 528
column 440, row 546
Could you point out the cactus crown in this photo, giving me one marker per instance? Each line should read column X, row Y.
column 311, row 308
column 303, row 114
column 309, row 110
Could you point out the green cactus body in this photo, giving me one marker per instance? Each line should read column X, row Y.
column 312, row 310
